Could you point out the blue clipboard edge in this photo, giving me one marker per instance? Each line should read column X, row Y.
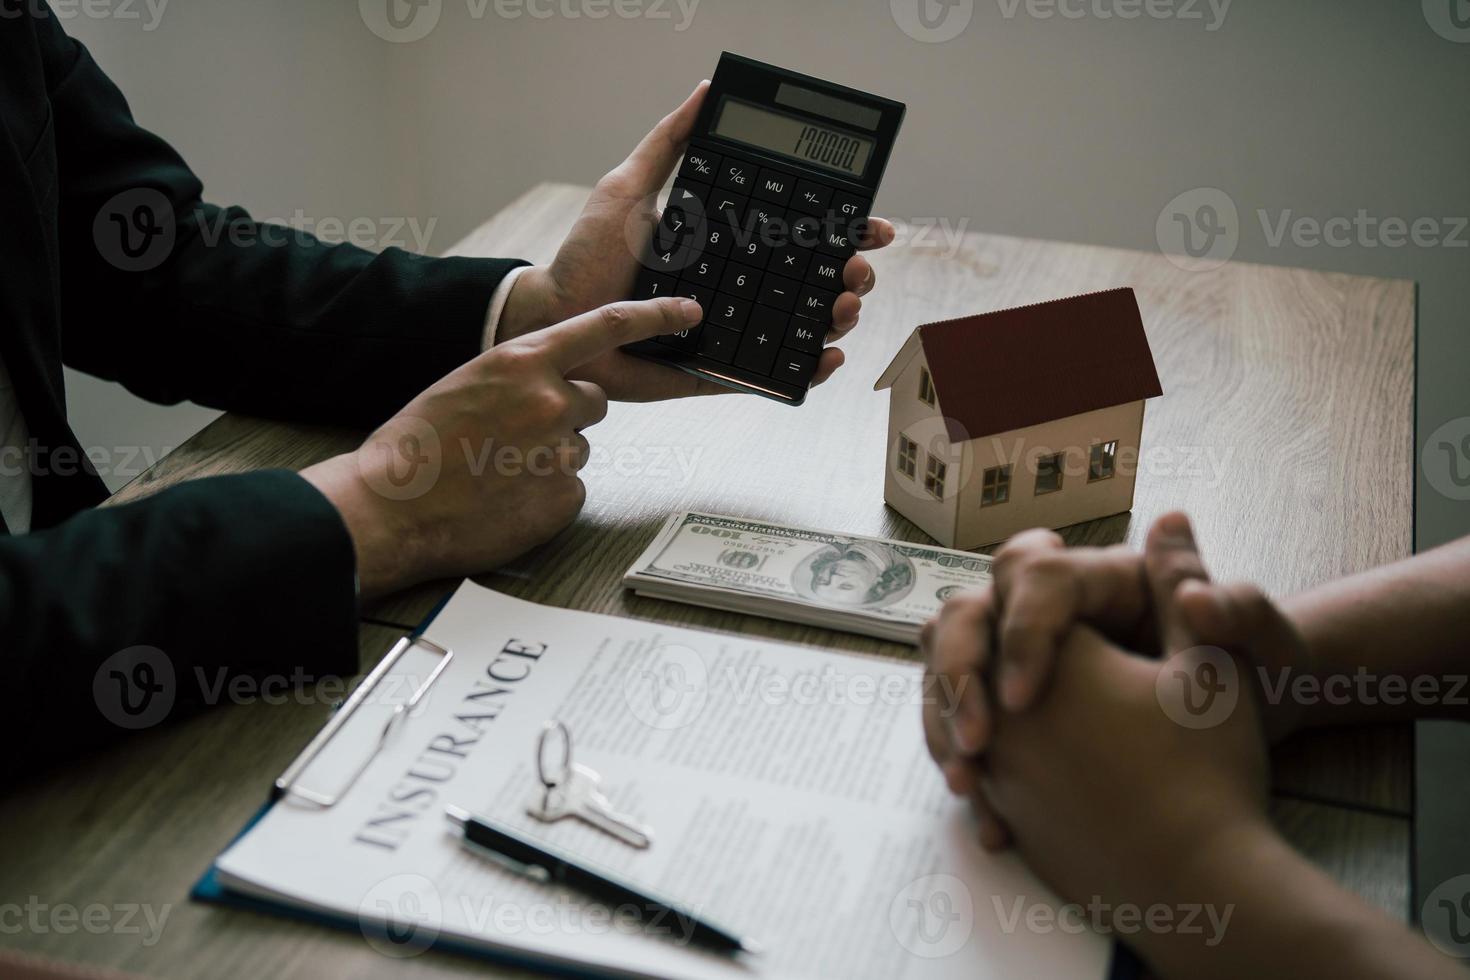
column 209, row 889
column 1124, row 964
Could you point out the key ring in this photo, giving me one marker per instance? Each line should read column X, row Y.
column 566, row 753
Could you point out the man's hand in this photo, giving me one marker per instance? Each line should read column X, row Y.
column 598, row 262
column 483, row 465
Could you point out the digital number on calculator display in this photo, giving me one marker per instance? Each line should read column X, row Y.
column 765, row 211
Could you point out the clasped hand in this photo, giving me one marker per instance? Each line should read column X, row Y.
column 1071, row 751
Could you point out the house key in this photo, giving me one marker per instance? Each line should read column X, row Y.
column 573, row 790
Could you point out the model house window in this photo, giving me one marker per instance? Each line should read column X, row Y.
column 1049, row 473
column 1100, row 464
column 934, row 476
column 926, row 387
column 908, row 454
column 995, row 486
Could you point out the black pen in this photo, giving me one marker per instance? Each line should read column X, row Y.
column 540, row 862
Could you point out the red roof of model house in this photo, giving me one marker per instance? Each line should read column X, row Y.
column 996, row 372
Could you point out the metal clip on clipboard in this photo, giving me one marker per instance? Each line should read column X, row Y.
column 285, row 784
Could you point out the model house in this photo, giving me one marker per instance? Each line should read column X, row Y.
column 1028, row 417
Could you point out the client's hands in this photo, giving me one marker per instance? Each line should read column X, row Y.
column 1107, row 795
column 483, row 465
column 1106, row 792
column 598, row 262
column 1154, row 602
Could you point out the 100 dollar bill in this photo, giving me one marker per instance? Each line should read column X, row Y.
column 867, row 585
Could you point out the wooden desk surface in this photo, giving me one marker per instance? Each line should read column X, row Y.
column 1285, row 430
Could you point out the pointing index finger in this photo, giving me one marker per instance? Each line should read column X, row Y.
column 576, row 341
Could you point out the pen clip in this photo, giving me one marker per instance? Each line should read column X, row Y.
column 460, row 818
column 534, row 872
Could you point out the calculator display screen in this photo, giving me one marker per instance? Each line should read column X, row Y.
column 795, row 138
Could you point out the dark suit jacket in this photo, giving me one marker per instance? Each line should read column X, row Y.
column 110, row 262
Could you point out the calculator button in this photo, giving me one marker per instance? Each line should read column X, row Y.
column 671, row 259
column 688, row 195
column 779, row 292
column 736, row 175
column 794, row 367
column 772, row 185
column 805, row 335
column 652, row 285
column 762, row 341
column 704, row 271
column 676, row 227
column 766, row 217
column 776, row 230
column 716, row 239
column 848, row 207
column 789, row 260
column 727, row 311
column 741, row 280
column 684, row 340
column 811, row 197
column 835, row 239
column 727, row 209
column 699, row 165
column 718, row 343
column 702, row 295
column 824, row 272
column 806, row 231
column 750, row 248
column 815, row 303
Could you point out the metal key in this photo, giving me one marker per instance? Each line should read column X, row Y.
column 577, row 794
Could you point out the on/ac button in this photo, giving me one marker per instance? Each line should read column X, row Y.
column 699, row 165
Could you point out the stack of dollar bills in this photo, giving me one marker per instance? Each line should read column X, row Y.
column 872, row 586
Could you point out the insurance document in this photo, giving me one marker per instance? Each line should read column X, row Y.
column 788, row 791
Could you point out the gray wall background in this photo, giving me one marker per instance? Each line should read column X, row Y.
column 1030, row 121
column 1080, row 128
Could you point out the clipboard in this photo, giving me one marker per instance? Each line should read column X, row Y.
column 1123, row 963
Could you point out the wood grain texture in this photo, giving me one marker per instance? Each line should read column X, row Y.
column 1285, row 430
column 137, row 825
column 1365, row 852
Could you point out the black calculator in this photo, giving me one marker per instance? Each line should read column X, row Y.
column 770, row 198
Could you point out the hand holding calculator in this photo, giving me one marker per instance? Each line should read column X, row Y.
column 770, row 199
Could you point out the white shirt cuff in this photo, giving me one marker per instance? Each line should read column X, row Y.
column 497, row 306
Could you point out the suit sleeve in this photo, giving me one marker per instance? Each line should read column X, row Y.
column 179, row 299
column 124, row 618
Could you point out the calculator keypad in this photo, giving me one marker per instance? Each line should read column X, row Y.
column 762, row 251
